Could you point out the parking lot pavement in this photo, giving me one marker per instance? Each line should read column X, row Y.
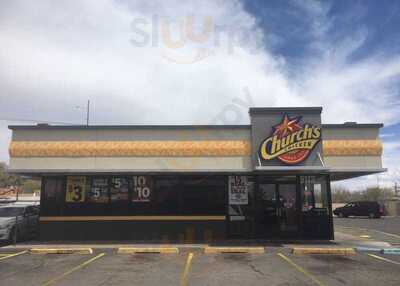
column 384, row 224
column 244, row 269
column 27, row 269
column 125, row 269
column 359, row 269
column 192, row 267
column 385, row 229
column 394, row 258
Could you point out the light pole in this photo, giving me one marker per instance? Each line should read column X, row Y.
column 87, row 111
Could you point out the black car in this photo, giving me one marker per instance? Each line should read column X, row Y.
column 370, row 209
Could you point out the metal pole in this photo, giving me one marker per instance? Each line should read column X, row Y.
column 88, row 113
column 16, row 230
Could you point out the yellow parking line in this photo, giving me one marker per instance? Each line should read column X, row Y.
column 300, row 269
column 52, row 281
column 12, row 255
column 184, row 278
column 383, row 259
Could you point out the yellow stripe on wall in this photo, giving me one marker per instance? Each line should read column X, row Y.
column 132, row 218
column 208, row 148
column 129, row 148
column 352, row 148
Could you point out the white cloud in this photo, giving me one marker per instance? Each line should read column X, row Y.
column 54, row 56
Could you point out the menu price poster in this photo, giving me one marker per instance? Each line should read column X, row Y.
column 238, row 190
column 75, row 190
column 99, row 191
column 142, row 188
column 119, row 189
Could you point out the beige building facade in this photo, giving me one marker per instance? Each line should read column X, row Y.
column 267, row 179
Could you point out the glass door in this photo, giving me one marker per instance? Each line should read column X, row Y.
column 288, row 214
column 267, row 214
column 277, row 209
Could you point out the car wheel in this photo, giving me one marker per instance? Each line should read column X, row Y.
column 13, row 235
column 341, row 215
column 371, row 215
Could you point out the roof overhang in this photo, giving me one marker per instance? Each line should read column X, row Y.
column 335, row 173
column 349, row 173
column 291, row 170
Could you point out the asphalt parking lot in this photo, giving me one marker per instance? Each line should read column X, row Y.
column 384, row 229
column 277, row 266
column 385, row 224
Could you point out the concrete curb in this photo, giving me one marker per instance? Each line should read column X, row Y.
column 61, row 251
column 332, row 251
column 215, row 250
column 161, row 250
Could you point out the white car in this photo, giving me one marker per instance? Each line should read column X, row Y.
column 18, row 221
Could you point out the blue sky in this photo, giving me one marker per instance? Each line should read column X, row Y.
column 138, row 64
column 290, row 32
column 293, row 31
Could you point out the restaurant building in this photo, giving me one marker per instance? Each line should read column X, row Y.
column 267, row 180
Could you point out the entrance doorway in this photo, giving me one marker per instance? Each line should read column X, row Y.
column 282, row 208
column 277, row 209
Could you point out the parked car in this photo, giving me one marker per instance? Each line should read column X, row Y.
column 370, row 209
column 18, row 221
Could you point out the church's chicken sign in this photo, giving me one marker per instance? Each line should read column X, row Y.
column 290, row 141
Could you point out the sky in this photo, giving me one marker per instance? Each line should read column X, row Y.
column 201, row 62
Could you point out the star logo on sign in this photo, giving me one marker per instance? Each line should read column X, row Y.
column 287, row 126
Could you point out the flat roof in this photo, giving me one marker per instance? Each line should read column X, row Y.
column 262, row 110
column 171, row 127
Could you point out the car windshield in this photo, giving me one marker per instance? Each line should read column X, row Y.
column 11, row 211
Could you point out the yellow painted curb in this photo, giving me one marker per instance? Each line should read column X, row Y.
column 214, row 250
column 162, row 250
column 61, row 251
column 336, row 251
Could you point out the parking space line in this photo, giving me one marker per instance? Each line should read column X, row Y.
column 383, row 259
column 301, row 269
column 184, row 278
column 52, row 281
column 12, row 255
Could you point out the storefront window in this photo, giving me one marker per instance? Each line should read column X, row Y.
column 190, row 195
column 168, row 196
column 314, row 192
column 119, row 189
column 53, row 196
column 99, row 190
column 203, row 196
column 142, row 189
column 139, row 195
column 76, row 189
